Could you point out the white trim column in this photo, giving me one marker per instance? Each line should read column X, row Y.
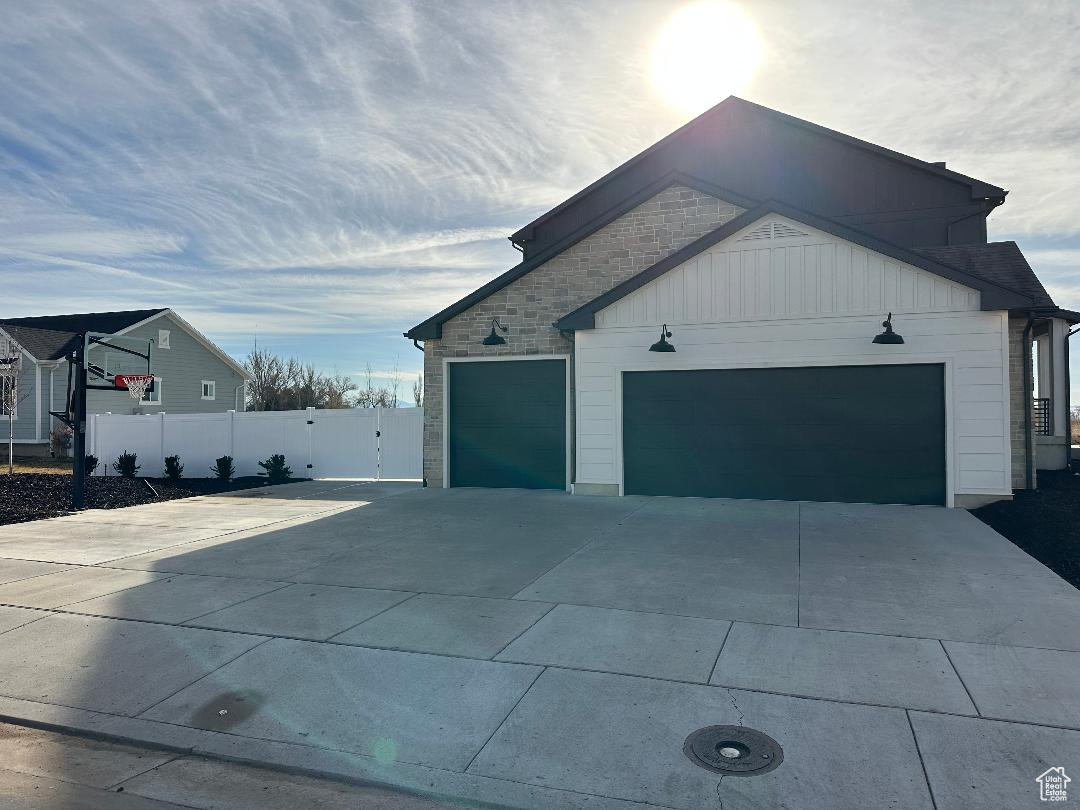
column 37, row 402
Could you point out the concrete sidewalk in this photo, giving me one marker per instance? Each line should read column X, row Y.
column 45, row 770
column 531, row 649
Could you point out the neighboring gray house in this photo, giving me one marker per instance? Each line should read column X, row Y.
column 192, row 375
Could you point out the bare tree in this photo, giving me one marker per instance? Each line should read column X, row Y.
column 279, row 385
column 314, row 390
column 418, row 390
column 268, row 381
column 336, row 391
column 370, row 396
column 395, row 384
column 306, row 383
column 12, row 391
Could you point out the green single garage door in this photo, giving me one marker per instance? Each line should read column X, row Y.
column 507, row 424
column 871, row 434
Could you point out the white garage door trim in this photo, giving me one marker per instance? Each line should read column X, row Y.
column 908, row 359
column 565, row 358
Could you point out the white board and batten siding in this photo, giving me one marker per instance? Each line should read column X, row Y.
column 779, row 293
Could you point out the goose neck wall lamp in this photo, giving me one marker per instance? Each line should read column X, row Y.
column 662, row 345
column 888, row 337
column 495, row 339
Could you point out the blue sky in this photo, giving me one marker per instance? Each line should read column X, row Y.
column 327, row 174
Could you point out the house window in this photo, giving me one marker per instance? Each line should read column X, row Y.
column 163, row 338
column 209, row 389
column 154, row 397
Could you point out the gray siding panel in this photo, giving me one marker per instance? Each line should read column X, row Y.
column 182, row 367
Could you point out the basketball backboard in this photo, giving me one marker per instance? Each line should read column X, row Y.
column 108, row 359
column 102, row 363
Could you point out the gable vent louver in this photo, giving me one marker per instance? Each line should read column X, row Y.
column 771, row 230
column 781, row 230
column 760, row 232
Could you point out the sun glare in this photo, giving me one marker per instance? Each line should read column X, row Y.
column 705, row 52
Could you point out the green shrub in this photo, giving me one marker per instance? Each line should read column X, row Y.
column 223, row 468
column 174, row 470
column 90, row 464
column 125, row 465
column 276, row 471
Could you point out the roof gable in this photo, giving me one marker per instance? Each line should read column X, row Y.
column 764, row 154
column 993, row 296
column 431, row 328
column 201, row 339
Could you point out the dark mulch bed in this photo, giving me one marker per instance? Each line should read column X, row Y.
column 30, row 496
column 1045, row 523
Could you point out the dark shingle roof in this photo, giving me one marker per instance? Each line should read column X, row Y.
column 997, row 262
column 108, row 322
column 43, row 344
column 720, row 122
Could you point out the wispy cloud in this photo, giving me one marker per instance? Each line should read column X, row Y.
column 347, row 168
column 1055, row 258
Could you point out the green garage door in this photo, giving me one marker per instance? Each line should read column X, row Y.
column 847, row 433
column 507, row 424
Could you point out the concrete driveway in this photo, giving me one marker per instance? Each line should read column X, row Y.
column 532, row 649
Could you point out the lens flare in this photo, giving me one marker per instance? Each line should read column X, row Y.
column 704, row 53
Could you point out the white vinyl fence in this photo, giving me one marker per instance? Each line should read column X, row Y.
column 347, row 443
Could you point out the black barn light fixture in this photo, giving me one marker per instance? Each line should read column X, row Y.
column 889, row 337
column 495, row 339
column 662, row 345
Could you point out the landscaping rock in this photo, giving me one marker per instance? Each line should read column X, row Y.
column 32, row 496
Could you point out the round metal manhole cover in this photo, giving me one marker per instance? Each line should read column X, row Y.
column 733, row 750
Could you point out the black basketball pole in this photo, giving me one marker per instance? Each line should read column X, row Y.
column 78, row 466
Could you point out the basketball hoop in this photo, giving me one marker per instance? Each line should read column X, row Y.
column 136, row 384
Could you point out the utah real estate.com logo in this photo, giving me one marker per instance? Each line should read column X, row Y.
column 1053, row 785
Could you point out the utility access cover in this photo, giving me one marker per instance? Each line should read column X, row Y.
column 733, row 750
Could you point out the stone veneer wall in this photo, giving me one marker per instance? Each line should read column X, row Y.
column 621, row 249
column 1017, row 405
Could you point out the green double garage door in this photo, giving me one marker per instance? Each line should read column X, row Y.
column 847, row 433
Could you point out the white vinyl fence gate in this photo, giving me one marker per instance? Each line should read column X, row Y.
column 346, row 443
